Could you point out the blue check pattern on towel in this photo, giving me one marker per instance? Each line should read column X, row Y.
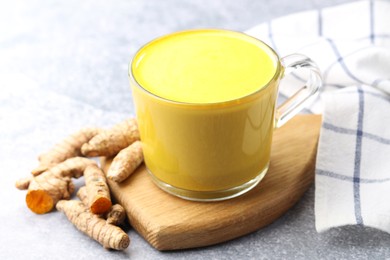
column 351, row 45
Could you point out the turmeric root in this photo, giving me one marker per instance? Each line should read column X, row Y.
column 82, row 195
column 116, row 216
column 125, row 162
column 23, row 183
column 98, row 193
column 68, row 148
column 46, row 189
column 110, row 142
column 108, row 235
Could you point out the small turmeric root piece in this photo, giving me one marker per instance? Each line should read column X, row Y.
column 68, row 148
column 42, row 198
column 46, row 189
column 110, row 236
column 110, row 142
column 82, row 195
column 125, row 162
column 116, row 216
column 99, row 200
column 23, row 183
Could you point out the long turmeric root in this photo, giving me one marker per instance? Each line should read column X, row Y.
column 98, row 193
column 108, row 235
column 125, row 162
column 110, row 142
column 46, row 189
column 67, row 148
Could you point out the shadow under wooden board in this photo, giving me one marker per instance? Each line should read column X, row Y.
column 170, row 223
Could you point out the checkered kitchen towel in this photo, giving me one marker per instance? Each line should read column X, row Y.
column 351, row 45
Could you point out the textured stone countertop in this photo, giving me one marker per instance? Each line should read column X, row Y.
column 63, row 65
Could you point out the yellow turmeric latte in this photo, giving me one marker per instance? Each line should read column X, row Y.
column 205, row 106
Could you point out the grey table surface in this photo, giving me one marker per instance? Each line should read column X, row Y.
column 63, row 65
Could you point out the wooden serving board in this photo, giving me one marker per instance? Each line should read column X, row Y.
column 170, row 223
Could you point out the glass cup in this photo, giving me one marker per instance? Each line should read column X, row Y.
column 213, row 150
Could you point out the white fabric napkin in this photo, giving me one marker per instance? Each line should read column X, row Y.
column 351, row 45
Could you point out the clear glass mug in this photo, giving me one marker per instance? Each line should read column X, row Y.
column 219, row 150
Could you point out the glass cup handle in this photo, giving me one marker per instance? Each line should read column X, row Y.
column 297, row 101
